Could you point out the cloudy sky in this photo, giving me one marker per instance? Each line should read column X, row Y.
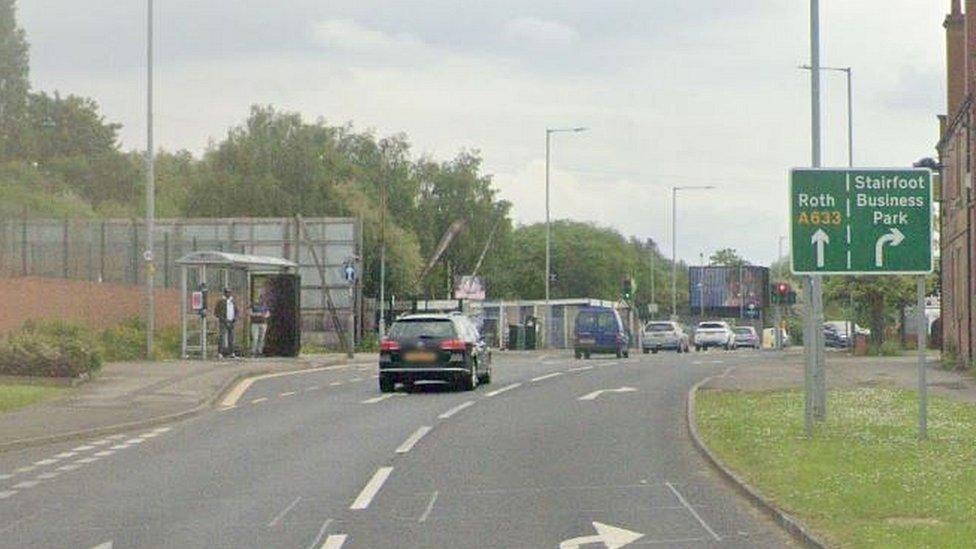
column 675, row 92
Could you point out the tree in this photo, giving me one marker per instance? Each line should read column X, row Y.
column 878, row 298
column 14, row 83
column 726, row 257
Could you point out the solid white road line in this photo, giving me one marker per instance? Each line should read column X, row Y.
column 334, row 541
column 413, row 439
column 64, row 455
column 118, row 447
column 280, row 516
column 287, row 394
column 158, row 430
column 27, row 469
column 135, row 441
column 82, row 448
column 106, row 545
column 104, row 453
column 69, row 467
column 503, row 389
column 430, row 507
column 580, row 369
column 47, row 476
column 335, row 384
column 87, row 460
column 372, row 488
column 547, row 376
column 455, row 409
column 691, row 510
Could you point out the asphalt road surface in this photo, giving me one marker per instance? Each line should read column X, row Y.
column 554, row 453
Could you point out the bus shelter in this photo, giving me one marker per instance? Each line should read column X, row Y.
column 272, row 280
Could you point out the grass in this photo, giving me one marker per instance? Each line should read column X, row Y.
column 18, row 396
column 865, row 480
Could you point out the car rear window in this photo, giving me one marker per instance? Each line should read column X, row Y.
column 589, row 320
column 743, row 331
column 663, row 327
column 711, row 326
column 426, row 328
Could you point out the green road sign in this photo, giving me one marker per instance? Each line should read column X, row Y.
column 861, row 221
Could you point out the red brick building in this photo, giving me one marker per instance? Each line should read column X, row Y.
column 958, row 209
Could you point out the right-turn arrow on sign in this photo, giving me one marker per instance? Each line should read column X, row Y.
column 861, row 221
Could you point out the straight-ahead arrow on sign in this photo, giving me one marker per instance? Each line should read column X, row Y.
column 820, row 240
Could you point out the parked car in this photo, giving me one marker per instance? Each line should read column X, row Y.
column 746, row 336
column 660, row 335
column 434, row 347
column 714, row 333
column 600, row 330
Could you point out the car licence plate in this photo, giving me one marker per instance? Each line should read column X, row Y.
column 420, row 356
column 587, row 341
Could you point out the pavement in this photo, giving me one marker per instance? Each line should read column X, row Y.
column 127, row 395
column 556, row 452
column 785, row 371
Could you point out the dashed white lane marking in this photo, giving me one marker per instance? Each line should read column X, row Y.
column 158, row 430
column 413, row 439
column 26, row 469
column 26, row 484
column 280, row 516
column 380, row 398
column 355, row 380
column 547, row 376
column 312, row 388
column 82, row 448
column 456, row 409
column 135, row 441
column 335, row 541
column 118, row 447
column 335, row 384
column 580, row 369
column 48, row 476
column 49, row 461
column 69, row 467
column 237, row 392
column 101, row 442
column 104, row 453
column 5, row 477
column 65, row 455
column 7, row 493
column 503, row 389
column 691, row 510
column 371, row 489
column 87, row 460
column 259, row 400
column 429, row 508
column 287, row 394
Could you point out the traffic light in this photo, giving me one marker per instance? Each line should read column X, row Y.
column 628, row 288
column 782, row 293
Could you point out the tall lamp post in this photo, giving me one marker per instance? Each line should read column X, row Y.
column 674, row 240
column 549, row 132
column 150, row 188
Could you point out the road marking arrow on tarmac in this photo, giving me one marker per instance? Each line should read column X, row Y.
column 820, row 240
column 595, row 394
column 610, row 536
column 895, row 237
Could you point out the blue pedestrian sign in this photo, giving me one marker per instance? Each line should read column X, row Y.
column 349, row 273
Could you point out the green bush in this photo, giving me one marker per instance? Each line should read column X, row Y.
column 54, row 349
column 887, row 348
column 126, row 342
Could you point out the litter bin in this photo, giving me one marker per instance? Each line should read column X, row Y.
column 531, row 334
column 516, row 337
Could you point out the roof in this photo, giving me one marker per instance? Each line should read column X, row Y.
column 241, row 261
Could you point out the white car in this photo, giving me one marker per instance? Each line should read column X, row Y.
column 658, row 336
column 714, row 333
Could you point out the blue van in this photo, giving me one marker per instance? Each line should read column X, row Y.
column 600, row 330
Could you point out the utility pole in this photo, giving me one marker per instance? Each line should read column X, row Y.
column 150, row 190
column 653, row 295
column 382, row 330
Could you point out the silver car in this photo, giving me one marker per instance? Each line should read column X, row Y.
column 659, row 336
column 714, row 333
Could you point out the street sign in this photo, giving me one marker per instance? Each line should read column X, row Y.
column 349, row 273
column 861, row 221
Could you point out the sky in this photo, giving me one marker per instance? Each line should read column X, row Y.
column 674, row 93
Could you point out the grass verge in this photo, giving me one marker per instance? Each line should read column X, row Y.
column 18, row 396
column 865, row 480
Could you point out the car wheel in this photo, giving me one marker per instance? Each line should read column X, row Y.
column 586, row 355
column 387, row 384
column 486, row 378
column 627, row 354
column 578, row 355
column 646, row 350
column 470, row 381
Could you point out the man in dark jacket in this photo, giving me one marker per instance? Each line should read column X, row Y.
column 226, row 312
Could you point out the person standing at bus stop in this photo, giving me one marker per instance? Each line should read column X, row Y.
column 260, row 315
column 226, row 313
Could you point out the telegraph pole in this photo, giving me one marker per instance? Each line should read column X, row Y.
column 150, row 190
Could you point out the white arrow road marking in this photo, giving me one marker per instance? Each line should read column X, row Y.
column 547, row 376
column 820, row 240
column 413, row 439
column 334, row 541
column 611, row 537
column 372, row 488
column 894, row 237
column 595, row 394
column 106, row 545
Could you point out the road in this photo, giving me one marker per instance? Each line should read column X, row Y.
column 555, row 452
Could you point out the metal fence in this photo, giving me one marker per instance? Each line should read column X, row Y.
column 111, row 250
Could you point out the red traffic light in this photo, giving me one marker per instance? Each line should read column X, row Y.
column 782, row 288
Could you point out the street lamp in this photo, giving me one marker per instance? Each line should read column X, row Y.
column 850, row 109
column 674, row 248
column 549, row 132
column 150, row 188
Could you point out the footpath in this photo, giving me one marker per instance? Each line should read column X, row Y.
column 125, row 396
column 785, row 371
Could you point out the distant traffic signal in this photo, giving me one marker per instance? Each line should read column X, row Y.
column 628, row 288
column 782, row 293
